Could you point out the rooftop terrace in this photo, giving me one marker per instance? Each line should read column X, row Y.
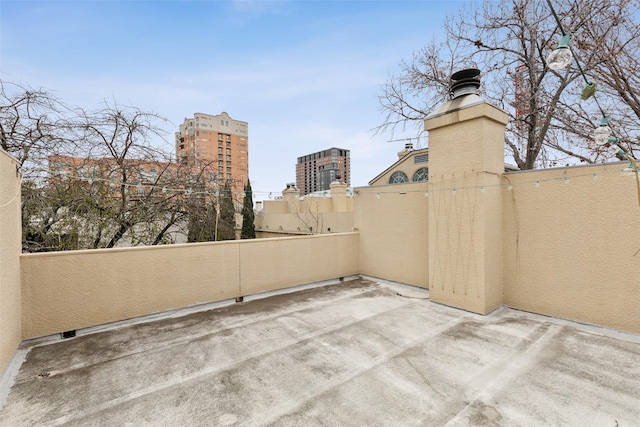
column 361, row 352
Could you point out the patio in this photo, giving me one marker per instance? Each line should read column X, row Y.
column 361, row 352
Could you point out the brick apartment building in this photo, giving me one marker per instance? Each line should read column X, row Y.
column 316, row 171
column 217, row 142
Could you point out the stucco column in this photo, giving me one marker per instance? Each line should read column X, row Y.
column 291, row 195
column 466, row 160
column 338, row 196
column 10, row 249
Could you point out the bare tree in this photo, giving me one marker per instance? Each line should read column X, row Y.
column 124, row 136
column 116, row 186
column 510, row 41
column 33, row 122
column 307, row 211
column 100, row 178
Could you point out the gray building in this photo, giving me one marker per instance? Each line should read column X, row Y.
column 316, row 171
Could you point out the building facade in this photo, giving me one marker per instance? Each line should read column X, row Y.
column 218, row 143
column 411, row 166
column 316, row 171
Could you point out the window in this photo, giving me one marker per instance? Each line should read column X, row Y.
column 398, row 177
column 421, row 174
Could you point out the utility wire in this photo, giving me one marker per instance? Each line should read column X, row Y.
column 595, row 98
column 582, row 73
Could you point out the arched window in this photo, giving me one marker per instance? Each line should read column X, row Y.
column 398, row 177
column 421, row 174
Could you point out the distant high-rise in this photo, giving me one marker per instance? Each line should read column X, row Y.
column 217, row 143
column 316, row 172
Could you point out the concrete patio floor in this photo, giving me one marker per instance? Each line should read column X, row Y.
column 358, row 353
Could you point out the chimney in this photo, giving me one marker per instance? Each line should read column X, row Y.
column 291, row 193
column 464, row 82
column 408, row 147
column 463, row 89
column 466, row 150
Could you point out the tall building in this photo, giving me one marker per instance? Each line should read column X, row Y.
column 316, row 172
column 218, row 143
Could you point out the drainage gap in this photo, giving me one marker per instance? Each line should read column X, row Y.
column 69, row 334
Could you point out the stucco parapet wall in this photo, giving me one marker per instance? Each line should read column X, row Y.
column 460, row 112
column 72, row 290
column 10, row 156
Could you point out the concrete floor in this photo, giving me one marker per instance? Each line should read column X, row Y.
column 353, row 354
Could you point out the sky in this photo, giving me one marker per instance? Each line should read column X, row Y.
column 305, row 75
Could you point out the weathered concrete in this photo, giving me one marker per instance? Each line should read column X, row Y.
column 357, row 353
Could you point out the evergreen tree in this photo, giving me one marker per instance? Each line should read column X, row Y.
column 226, row 225
column 248, row 227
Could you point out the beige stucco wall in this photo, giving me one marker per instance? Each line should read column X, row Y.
column 393, row 225
column 571, row 242
column 270, row 264
column 76, row 289
column 327, row 222
column 10, row 247
column 293, row 215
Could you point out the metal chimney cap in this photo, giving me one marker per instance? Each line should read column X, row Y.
column 464, row 82
column 467, row 73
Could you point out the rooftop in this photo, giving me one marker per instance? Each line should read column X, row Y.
column 362, row 352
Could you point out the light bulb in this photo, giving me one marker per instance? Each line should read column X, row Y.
column 561, row 57
column 601, row 135
column 614, row 150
